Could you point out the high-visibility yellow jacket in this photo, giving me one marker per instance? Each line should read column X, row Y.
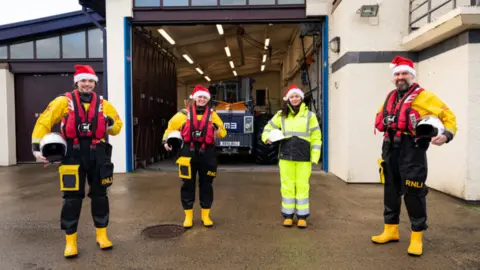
column 427, row 103
column 58, row 108
column 180, row 118
column 303, row 137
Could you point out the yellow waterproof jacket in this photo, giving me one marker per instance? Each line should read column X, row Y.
column 427, row 103
column 303, row 135
column 180, row 118
column 58, row 108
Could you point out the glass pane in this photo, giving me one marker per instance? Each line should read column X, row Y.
column 147, row 3
column 290, row 2
column 3, row 52
column 48, row 48
column 204, row 2
column 175, row 3
column 73, row 45
column 262, row 2
column 233, row 2
column 95, row 43
column 22, row 50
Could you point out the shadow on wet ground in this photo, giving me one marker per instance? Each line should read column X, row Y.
column 248, row 231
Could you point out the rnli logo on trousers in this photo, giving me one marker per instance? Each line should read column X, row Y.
column 107, row 181
column 210, row 173
column 414, row 184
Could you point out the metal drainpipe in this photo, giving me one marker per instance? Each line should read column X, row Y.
column 105, row 82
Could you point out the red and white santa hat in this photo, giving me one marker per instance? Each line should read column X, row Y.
column 400, row 64
column 200, row 91
column 293, row 90
column 84, row 73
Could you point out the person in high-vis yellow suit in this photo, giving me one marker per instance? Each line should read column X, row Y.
column 300, row 148
column 197, row 127
column 404, row 159
column 86, row 119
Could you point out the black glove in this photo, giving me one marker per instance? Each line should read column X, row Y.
column 110, row 121
column 215, row 126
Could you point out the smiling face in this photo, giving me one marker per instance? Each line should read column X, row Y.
column 86, row 86
column 403, row 80
column 295, row 99
column 201, row 101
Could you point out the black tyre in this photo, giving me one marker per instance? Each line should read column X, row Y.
column 264, row 153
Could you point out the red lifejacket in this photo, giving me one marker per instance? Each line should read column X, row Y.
column 79, row 123
column 399, row 115
column 201, row 131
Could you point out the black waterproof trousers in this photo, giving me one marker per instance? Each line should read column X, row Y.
column 205, row 165
column 90, row 161
column 405, row 172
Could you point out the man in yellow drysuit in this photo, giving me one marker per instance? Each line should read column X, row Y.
column 86, row 119
column 404, row 159
column 298, row 150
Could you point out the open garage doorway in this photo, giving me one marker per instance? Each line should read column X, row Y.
column 246, row 66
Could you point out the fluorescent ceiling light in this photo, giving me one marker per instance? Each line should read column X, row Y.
column 166, row 36
column 234, row 73
column 263, row 67
column 189, row 59
column 207, row 78
column 231, row 64
column 267, row 41
column 227, row 50
column 220, row 29
column 264, row 58
column 199, row 70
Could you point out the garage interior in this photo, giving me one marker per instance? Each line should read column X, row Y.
column 252, row 64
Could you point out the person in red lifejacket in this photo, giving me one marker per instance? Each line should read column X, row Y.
column 197, row 126
column 404, row 160
column 85, row 118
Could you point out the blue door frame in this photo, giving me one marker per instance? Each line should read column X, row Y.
column 128, row 93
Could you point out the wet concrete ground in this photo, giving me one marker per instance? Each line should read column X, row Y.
column 247, row 234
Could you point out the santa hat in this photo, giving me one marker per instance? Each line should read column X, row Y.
column 84, row 73
column 293, row 90
column 198, row 91
column 400, row 64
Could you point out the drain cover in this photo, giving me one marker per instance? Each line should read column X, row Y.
column 163, row 231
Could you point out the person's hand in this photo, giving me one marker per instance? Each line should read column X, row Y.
column 167, row 147
column 439, row 140
column 39, row 157
column 268, row 141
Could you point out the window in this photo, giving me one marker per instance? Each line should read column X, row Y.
column 22, row 50
column 95, row 43
column 291, row 2
column 204, row 2
column 73, row 45
column 3, row 52
column 48, row 48
column 232, row 2
column 147, row 3
column 175, row 3
column 261, row 2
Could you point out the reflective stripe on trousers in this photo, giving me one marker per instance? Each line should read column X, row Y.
column 295, row 187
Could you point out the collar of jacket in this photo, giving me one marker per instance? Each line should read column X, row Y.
column 303, row 108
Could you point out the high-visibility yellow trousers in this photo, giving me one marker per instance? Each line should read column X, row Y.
column 295, row 187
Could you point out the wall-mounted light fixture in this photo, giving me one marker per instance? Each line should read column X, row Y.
column 368, row 11
column 334, row 45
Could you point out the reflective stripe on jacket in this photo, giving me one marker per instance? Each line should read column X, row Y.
column 303, row 137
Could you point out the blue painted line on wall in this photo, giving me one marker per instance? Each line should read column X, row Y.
column 128, row 94
column 325, row 92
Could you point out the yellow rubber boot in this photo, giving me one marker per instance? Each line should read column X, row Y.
column 389, row 234
column 102, row 239
column 288, row 222
column 207, row 222
column 188, row 222
column 71, row 250
column 416, row 244
column 302, row 223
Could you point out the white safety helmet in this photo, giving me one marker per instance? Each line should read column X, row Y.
column 53, row 147
column 276, row 135
column 175, row 140
column 429, row 126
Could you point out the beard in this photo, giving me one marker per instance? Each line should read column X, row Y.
column 402, row 84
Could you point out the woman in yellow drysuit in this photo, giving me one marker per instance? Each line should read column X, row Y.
column 298, row 150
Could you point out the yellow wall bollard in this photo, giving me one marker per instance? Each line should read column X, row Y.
column 380, row 170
